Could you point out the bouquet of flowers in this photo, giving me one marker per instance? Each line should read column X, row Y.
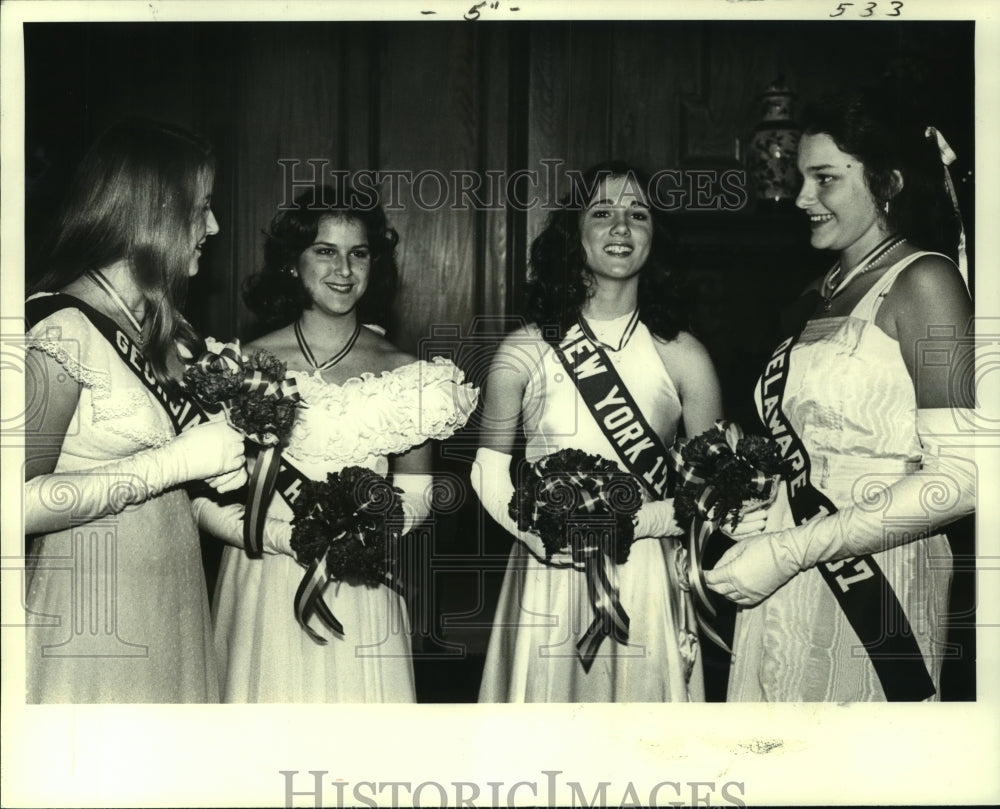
column 344, row 529
column 253, row 391
column 574, row 484
column 722, row 475
column 258, row 399
column 584, row 504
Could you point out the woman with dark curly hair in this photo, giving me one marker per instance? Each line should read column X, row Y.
column 327, row 286
column 601, row 291
column 845, row 597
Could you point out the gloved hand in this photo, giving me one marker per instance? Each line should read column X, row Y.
column 222, row 522
column 491, row 482
column 55, row 501
column 752, row 522
column 228, row 481
column 212, row 451
column 656, row 519
column 940, row 493
column 418, row 491
column 226, row 523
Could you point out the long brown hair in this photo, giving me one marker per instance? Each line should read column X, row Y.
column 135, row 198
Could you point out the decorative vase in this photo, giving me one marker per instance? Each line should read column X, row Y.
column 774, row 146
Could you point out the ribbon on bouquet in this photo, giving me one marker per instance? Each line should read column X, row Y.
column 591, row 538
column 705, row 522
column 259, row 492
column 226, row 359
column 592, row 542
column 309, row 595
column 308, row 601
column 590, row 534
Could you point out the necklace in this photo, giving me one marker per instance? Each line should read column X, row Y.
column 630, row 328
column 108, row 289
column 311, row 359
column 833, row 284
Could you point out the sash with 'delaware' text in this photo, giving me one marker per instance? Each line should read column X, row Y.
column 859, row 585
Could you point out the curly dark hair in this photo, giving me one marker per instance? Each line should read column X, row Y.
column 277, row 297
column 561, row 283
column 886, row 133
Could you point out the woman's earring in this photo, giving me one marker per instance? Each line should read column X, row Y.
column 886, row 207
column 290, row 269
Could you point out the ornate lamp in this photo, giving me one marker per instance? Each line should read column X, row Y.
column 773, row 147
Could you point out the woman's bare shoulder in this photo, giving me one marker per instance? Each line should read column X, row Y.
column 281, row 343
column 685, row 347
column 382, row 353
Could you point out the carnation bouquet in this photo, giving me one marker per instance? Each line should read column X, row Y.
column 258, row 399
column 568, row 485
column 345, row 529
column 584, row 504
column 722, row 475
column 252, row 390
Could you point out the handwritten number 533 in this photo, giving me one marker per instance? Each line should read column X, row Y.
column 869, row 9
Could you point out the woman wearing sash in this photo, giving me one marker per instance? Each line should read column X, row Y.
column 329, row 272
column 866, row 402
column 599, row 270
column 117, row 603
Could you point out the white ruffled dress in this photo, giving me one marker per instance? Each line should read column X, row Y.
column 263, row 653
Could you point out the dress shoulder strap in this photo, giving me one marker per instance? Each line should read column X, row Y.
column 868, row 306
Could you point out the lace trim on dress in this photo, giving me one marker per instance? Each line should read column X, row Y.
column 115, row 413
column 98, row 381
column 381, row 415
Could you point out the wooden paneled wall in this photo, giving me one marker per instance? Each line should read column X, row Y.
column 439, row 98
column 479, row 97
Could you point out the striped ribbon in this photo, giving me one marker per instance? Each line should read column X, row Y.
column 591, row 538
column 309, row 601
column 705, row 523
column 228, row 358
column 592, row 546
column 309, row 595
column 259, row 493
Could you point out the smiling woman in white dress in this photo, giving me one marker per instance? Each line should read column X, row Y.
column 329, row 278
column 874, row 391
column 600, row 266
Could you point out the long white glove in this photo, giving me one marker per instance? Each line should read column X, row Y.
column 225, row 522
column 656, row 519
column 492, row 484
column 418, row 493
column 943, row 491
column 55, row 501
